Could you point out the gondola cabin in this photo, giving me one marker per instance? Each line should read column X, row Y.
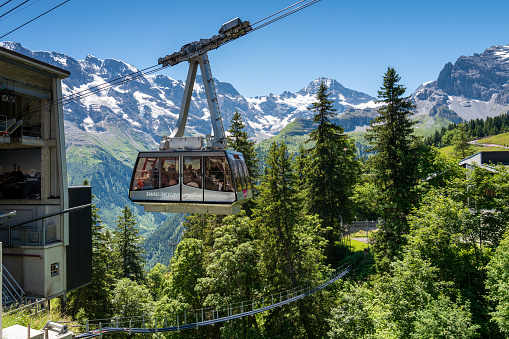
column 190, row 181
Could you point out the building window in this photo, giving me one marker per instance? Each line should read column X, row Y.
column 54, row 269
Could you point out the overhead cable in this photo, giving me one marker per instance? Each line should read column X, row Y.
column 130, row 77
column 92, row 90
column 270, row 16
column 5, row 3
column 26, row 23
column 14, row 8
column 284, row 15
column 19, row 10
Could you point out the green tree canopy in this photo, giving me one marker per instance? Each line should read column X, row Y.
column 127, row 246
column 290, row 245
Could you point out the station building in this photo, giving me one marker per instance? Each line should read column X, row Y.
column 46, row 249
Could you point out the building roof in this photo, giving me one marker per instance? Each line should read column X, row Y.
column 486, row 159
column 14, row 57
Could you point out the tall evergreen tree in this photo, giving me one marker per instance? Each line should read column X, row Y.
column 238, row 140
column 127, row 246
column 332, row 170
column 290, row 246
column 394, row 164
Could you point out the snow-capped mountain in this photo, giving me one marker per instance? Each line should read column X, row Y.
column 105, row 130
column 473, row 87
column 150, row 104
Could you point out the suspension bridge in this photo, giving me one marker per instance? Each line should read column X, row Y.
column 194, row 319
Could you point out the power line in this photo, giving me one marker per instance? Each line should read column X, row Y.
column 26, row 23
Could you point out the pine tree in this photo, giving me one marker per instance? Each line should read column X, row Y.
column 460, row 142
column 238, row 141
column 127, row 246
column 332, row 170
column 394, row 164
column 290, row 245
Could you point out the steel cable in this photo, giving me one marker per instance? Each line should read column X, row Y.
column 1, row 16
column 19, row 10
column 91, row 90
column 37, row 17
column 130, row 77
column 5, row 3
column 270, row 16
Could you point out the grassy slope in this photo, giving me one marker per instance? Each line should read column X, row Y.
column 500, row 139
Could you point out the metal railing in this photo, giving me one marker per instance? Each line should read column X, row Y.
column 33, row 131
column 6, row 216
column 34, row 305
column 10, row 289
column 193, row 319
column 11, row 235
column 29, row 236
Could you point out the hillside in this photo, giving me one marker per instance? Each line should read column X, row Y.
column 159, row 245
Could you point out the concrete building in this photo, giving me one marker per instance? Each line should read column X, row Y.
column 486, row 160
column 33, row 177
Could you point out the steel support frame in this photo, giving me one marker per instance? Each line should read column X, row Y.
column 218, row 140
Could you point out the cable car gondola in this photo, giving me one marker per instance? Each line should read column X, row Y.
column 184, row 176
column 187, row 181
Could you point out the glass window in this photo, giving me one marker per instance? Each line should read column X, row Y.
column 55, row 269
column 147, row 174
column 246, row 175
column 192, row 174
column 242, row 175
column 237, row 175
column 169, row 171
column 218, row 176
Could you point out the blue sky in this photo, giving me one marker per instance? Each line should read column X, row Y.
column 351, row 41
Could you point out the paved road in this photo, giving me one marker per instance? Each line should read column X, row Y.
column 364, row 240
column 474, row 142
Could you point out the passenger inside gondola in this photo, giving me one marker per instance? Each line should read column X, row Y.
column 169, row 176
column 217, row 176
column 191, row 177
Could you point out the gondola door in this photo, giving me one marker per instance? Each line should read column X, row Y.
column 192, row 178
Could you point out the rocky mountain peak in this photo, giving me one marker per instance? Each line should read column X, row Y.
column 479, row 77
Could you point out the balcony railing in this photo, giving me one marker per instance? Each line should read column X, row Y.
column 29, row 236
column 33, row 131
